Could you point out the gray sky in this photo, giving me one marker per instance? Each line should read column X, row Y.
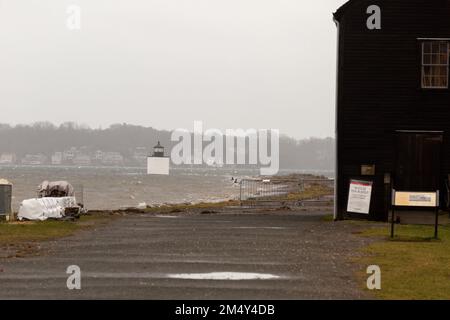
column 165, row 63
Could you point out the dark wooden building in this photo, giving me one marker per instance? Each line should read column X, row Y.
column 393, row 99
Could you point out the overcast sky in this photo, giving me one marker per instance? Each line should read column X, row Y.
column 165, row 63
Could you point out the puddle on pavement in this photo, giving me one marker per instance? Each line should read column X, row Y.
column 224, row 276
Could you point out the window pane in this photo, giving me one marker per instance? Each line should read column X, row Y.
column 427, row 59
column 436, row 71
column 433, row 82
column 426, row 83
column 432, row 71
column 439, row 82
column 435, row 59
column 427, row 47
column 435, row 47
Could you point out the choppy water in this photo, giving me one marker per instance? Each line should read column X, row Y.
column 113, row 188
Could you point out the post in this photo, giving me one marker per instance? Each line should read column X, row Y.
column 436, row 223
column 393, row 212
column 11, row 216
column 392, row 221
column 240, row 192
column 6, row 200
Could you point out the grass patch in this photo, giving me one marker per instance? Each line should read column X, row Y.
column 14, row 233
column 313, row 192
column 327, row 218
column 413, row 265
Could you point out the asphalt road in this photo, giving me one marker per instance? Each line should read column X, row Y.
column 143, row 257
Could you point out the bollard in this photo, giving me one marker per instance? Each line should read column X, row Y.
column 5, row 199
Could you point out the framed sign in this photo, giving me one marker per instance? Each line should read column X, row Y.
column 368, row 170
column 359, row 196
column 415, row 199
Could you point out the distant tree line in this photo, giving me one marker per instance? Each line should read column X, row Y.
column 46, row 138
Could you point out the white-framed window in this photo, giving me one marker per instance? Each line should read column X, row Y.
column 435, row 64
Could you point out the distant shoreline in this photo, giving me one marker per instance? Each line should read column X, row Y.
column 327, row 172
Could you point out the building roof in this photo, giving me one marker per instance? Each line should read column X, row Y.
column 340, row 12
column 343, row 9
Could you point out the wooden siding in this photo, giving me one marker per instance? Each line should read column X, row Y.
column 379, row 89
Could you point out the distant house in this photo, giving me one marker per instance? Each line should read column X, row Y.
column 34, row 159
column 7, row 158
column 113, row 158
column 82, row 160
column 393, row 99
column 57, row 158
column 98, row 156
column 70, row 154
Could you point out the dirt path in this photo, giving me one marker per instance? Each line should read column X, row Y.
column 136, row 256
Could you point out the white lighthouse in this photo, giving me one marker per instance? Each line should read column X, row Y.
column 157, row 163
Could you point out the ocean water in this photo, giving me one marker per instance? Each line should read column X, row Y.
column 114, row 188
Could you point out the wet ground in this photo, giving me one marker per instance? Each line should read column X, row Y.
column 278, row 255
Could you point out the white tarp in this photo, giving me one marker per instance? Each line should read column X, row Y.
column 4, row 182
column 55, row 189
column 44, row 208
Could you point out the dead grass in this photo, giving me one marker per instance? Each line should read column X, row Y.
column 313, row 192
column 187, row 207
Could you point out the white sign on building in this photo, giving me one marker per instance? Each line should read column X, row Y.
column 359, row 196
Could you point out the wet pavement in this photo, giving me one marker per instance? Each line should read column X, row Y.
column 277, row 255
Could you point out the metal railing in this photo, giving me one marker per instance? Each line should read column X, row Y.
column 259, row 189
column 79, row 194
column 277, row 191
